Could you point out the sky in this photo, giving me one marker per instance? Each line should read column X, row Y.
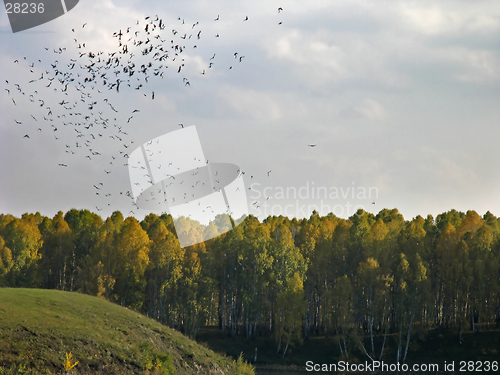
column 398, row 98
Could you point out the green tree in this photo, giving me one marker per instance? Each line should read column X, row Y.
column 289, row 312
column 131, row 258
column 24, row 240
column 6, row 261
column 163, row 273
column 58, row 268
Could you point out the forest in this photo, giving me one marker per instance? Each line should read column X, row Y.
column 358, row 279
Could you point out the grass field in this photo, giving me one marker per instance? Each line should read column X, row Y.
column 39, row 328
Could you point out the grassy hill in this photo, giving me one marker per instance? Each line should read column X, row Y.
column 40, row 328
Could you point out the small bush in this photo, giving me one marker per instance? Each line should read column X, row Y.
column 243, row 367
column 68, row 364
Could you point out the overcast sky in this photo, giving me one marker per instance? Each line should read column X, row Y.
column 401, row 99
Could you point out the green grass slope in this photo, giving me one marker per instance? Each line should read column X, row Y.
column 38, row 328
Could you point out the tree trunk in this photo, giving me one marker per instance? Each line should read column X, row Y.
column 383, row 346
column 408, row 336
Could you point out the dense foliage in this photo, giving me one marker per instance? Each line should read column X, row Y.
column 370, row 275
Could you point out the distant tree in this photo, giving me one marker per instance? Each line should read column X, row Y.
column 289, row 312
column 57, row 265
column 24, row 240
column 86, row 227
column 6, row 261
column 163, row 273
column 130, row 258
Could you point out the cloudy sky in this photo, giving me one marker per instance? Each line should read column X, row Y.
column 399, row 97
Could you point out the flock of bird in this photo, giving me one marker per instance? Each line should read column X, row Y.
column 84, row 85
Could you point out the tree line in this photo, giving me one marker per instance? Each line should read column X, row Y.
column 357, row 279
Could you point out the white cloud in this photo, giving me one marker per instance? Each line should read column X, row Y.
column 263, row 106
column 368, row 109
column 477, row 66
column 450, row 17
